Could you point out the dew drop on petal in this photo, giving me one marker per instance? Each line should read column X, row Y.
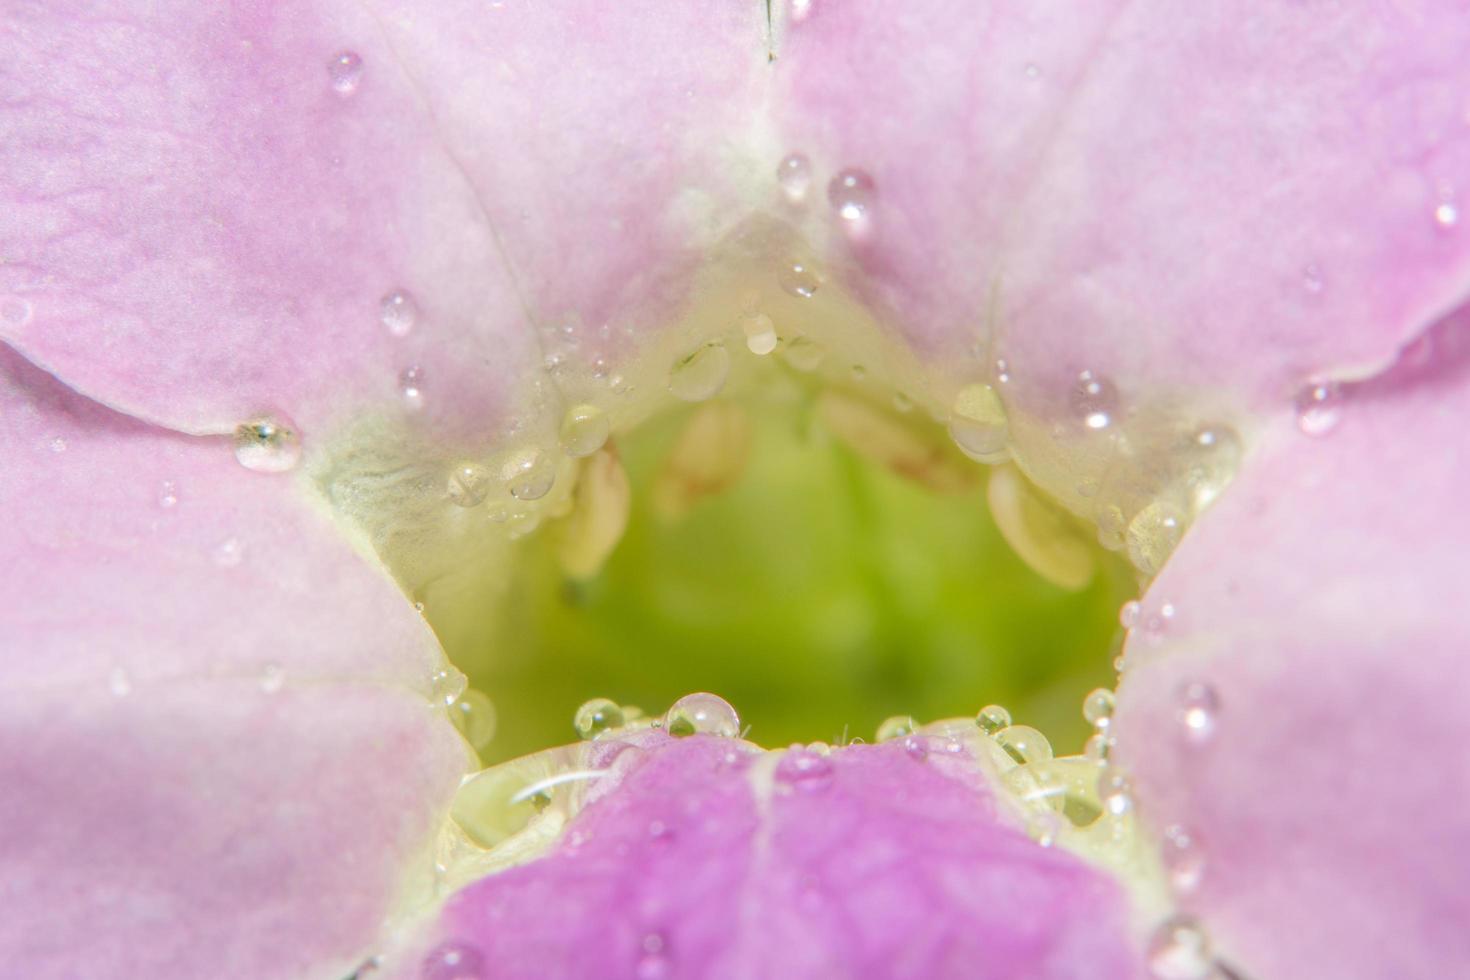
column 474, row 715
column 1199, row 710
column 1446, row 215
column 15, row 310
column 992, row 718
column 804, row 354
column 851, row 194
column 228, row 553
column 794, row 175
column 1099, row 746
column 1183, row 858
column 897, row 726
column 1114, row 792
column 597, row 716
column 119, row 683
column 1319, row 407
column 1312, row 280
column 1097, row 707
column 468, row 485
column 446, row 685
column 267, row 445
column 1128, row 614
column 916, row 747
column 798, row 278
column 701, row 375
column 453, row 961
column 1024, row 744
column 1179, row 949
column 702, row 714
column 653, row 962
column 804, row 770
column 529, row 474
column 168, row 494
column 584, row 430
column 1094, row 401
column 1153, row 534
column 345, row 72
column 760, row 333
column 411, row 387
column 398, row 311
column 978, row 425
column 272, row 678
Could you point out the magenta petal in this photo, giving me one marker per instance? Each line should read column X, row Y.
column 217, row 752
column 1302, row 714
column 710, row 861
column 1169, row 195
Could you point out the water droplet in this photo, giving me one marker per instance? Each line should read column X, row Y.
column 584, row 430
column 119, row 683
column 1044, row 826
column 1446, row 215
column 345, row 72
column 977, row 424
column 1033, row 70
column 1094, row 400
column 1312, row 279
column 800, row 10
column 1319, row 407
column 272, row 678
column 1212, row 456
column 902, row 403
column 168, row 494
column 1183, row 858
column 760, row 333
column 57, row 445
column 1088, row 488
column 468, row 485
column 597, row 716
column 529, row 474
column 702, row 714
column 897, row 726
column 1180, row 950
column 701, row 375
column 851, row 194
column 1024, row 744
column 267, row 445
column 804, row 769
column 794, row 174
column 474, row 715
column 446, row 685
column 798, row 278
column 228, row 553
column 15, row 311
column 992, row 718
column 1199, row 708
column 1128, row 614
column 411, row 387
column 916, row 747
column 398, row 311
column 1002, row 371
column 453, row 961
column 1097, row 708
column 1114, row 792
column 804, row 354
column 1112, row 527
column 653, row 961
column 859, row 373
column 1153, row 534
column 1099, row 746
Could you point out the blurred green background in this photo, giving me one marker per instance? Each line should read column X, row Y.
column 819, row 595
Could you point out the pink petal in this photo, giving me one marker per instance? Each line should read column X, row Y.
column 1302, row 714
column 216, row 746
column 869, row 862
column 1170, row 195
column 204, row 212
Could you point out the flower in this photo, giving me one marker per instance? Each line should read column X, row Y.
column 287, row 293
